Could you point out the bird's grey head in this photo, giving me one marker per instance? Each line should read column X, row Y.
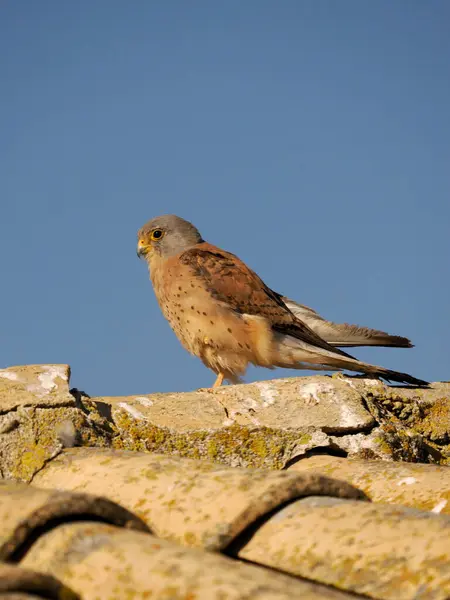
column 166, row 236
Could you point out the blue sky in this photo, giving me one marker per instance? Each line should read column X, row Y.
column 310, row 137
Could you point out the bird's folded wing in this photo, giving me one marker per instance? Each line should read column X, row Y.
column 230, row 281
column 344, row 334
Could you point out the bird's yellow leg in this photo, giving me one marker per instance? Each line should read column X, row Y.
column 218, row 382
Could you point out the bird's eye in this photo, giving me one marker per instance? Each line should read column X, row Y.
column 157, row 234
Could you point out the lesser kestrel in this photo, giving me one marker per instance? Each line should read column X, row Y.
column 222, row 312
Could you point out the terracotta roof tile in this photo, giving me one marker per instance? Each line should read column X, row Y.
column 111, row 523
column 195, row 503
column 421, row 486
column 26, row 510
column 101, row 561
column 384, row 551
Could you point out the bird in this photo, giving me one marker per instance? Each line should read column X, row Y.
column 223, row 312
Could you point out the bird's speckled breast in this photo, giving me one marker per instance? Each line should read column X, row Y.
column 203, row 325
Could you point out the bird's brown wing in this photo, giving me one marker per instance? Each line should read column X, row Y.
column 229, row 280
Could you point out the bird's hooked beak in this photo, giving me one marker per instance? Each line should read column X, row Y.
column 142, row 249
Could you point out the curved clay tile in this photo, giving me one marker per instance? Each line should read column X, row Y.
column 19, row 583
column 381, row 550
column 192, row 502
column 255, row 515
column 104, row 562
column 27, row 512
column 417, row 485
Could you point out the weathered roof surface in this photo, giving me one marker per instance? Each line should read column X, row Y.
column 270, row 424
column 24, row 510
column 24, row 386
column 179, row 498
column 157, row 496
column 106, row 562
column 417, row 485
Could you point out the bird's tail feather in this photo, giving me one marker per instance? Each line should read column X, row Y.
column 344, row 334
column 295, row 354
column 388, row 374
